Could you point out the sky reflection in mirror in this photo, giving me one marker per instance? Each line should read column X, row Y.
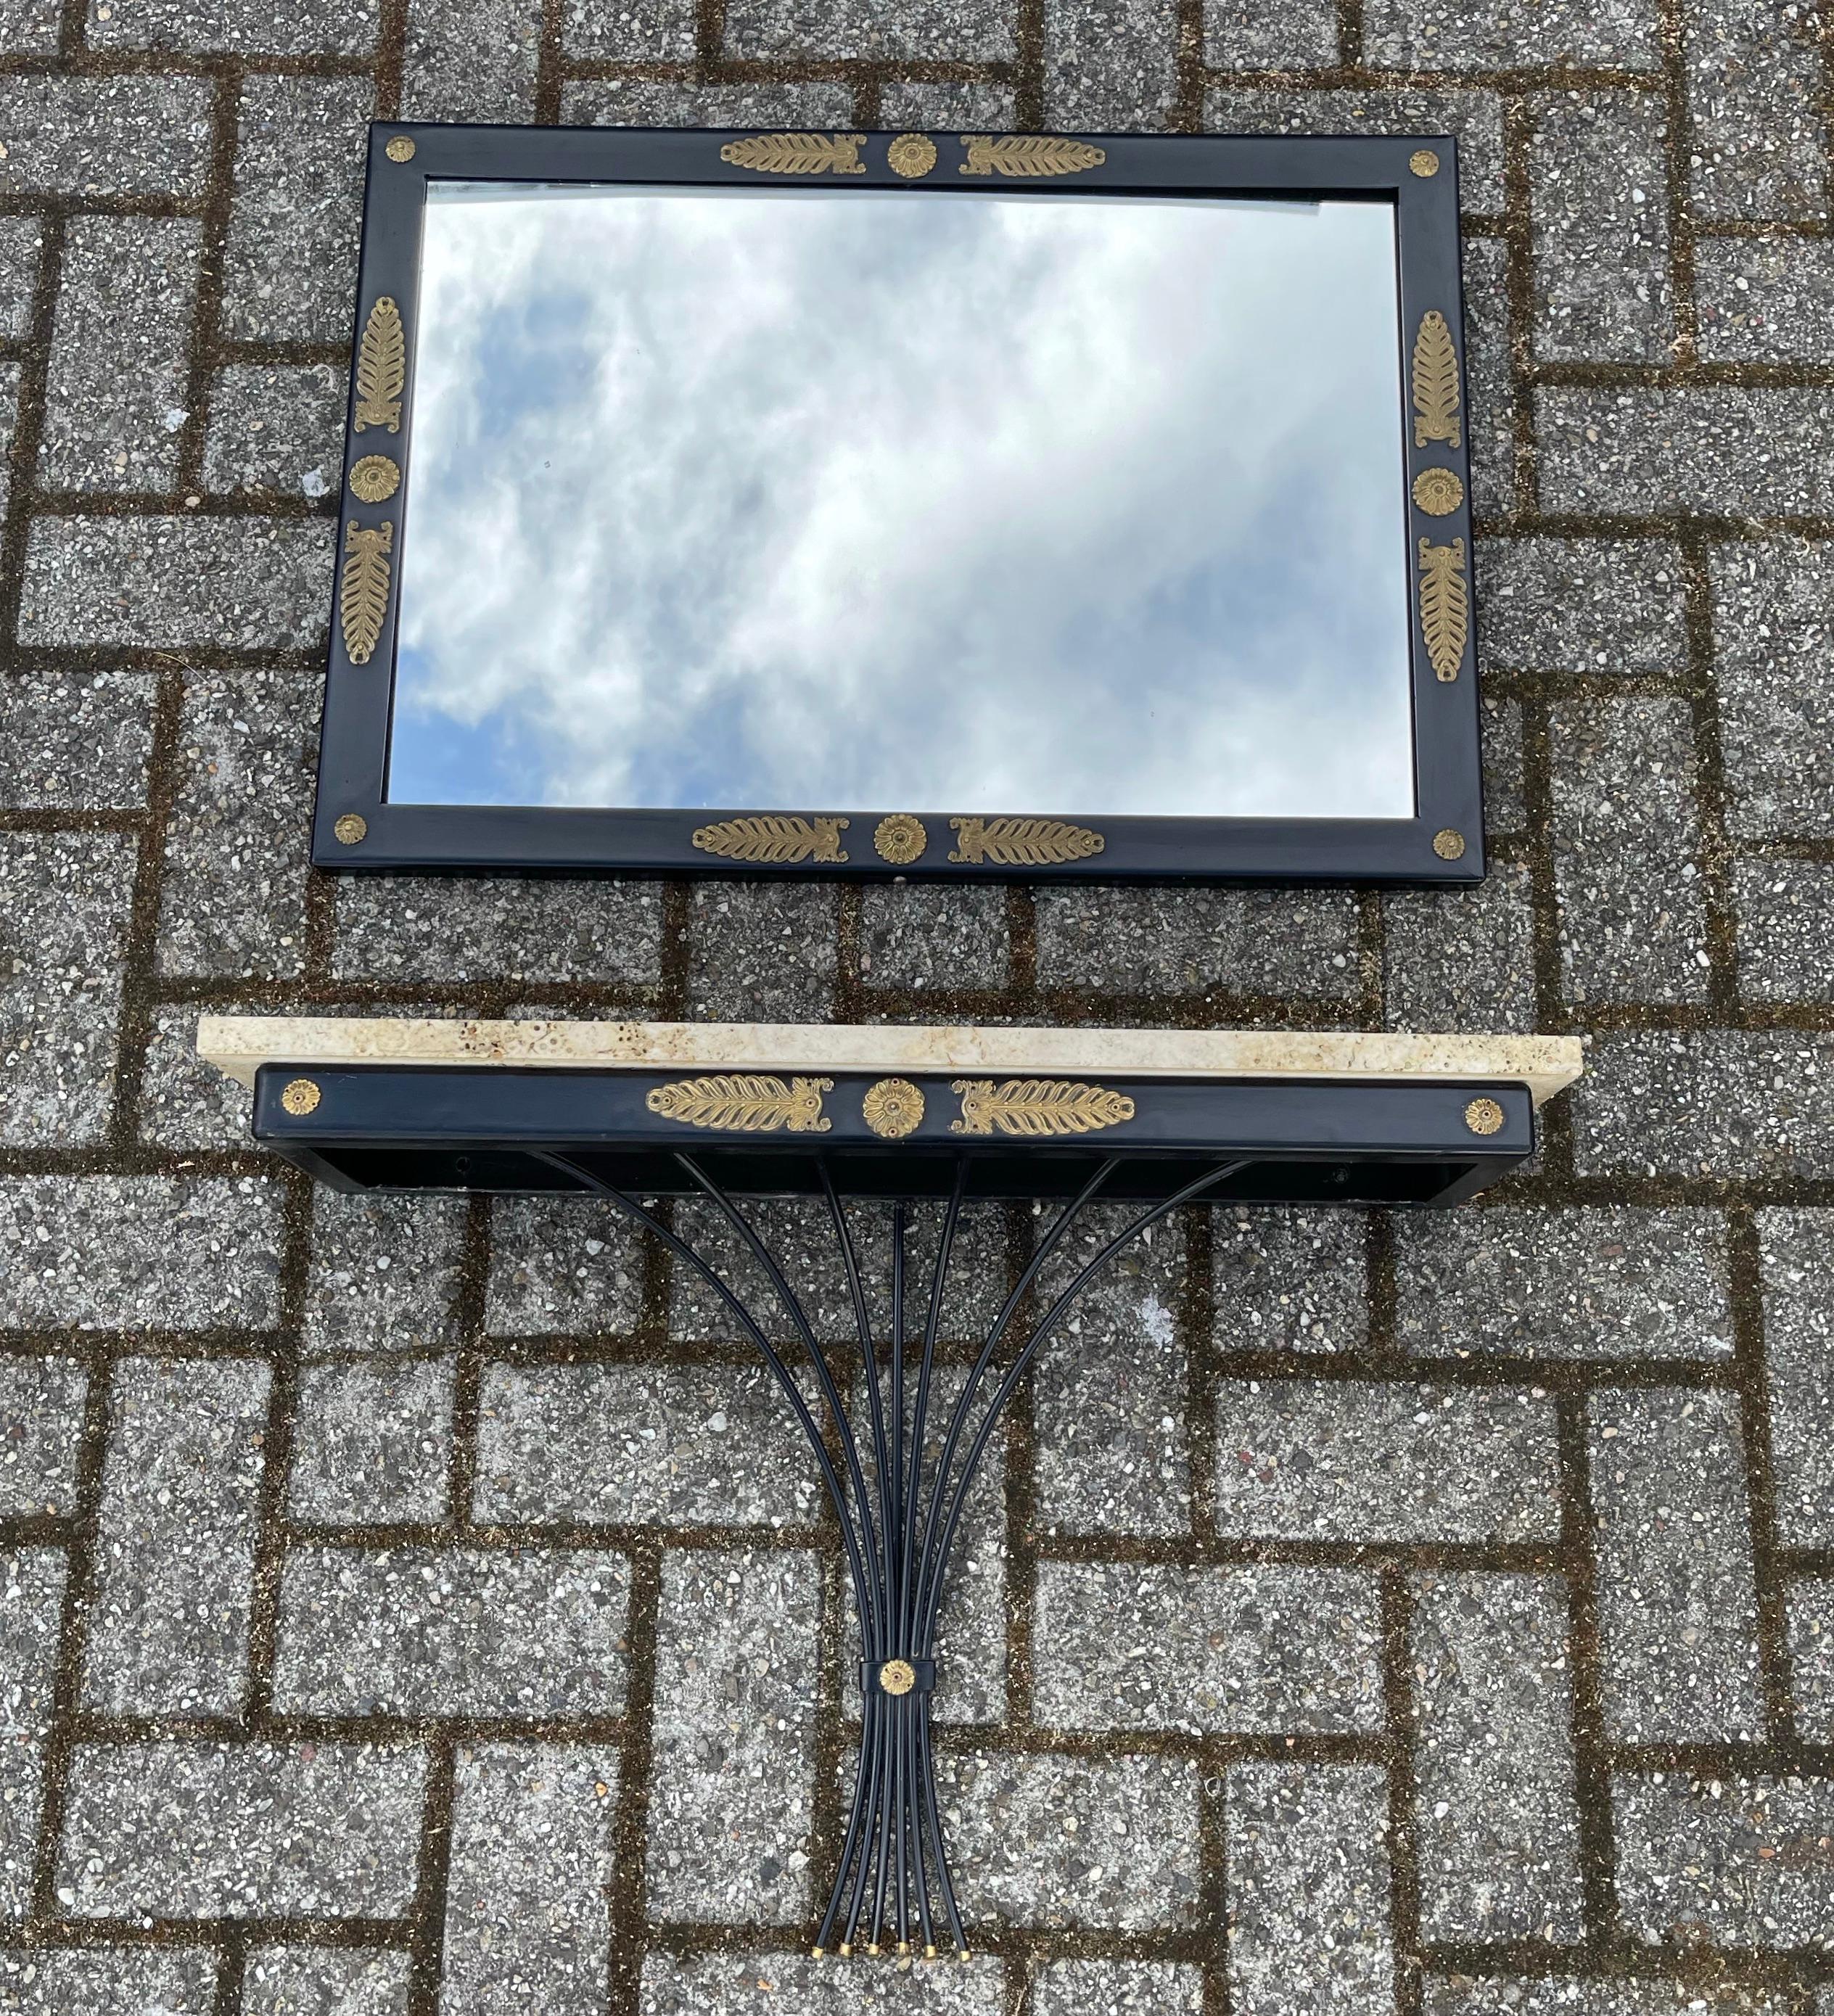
column 1021, row 502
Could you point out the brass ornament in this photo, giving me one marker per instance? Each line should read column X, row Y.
column 351, row 828
column 893, row 1107
column 1448, row 843
column 1484, row 1116
column 301, row 1097
column 897, row 1676
column 1437, row 492
column 1424, row 162
column 363, row 595
column 1035, row 1105
column 375, row 479
column 744, row 1103
column 775, row 839
column 1445, row 607
column 1022, row 843
column 900, row 838
column 400, row 149
column 382, row 369
column 1436, row 382
column 1028, row 154
column 797, row 153
column 911, row 155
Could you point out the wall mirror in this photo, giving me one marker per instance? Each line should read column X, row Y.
column 906, row 504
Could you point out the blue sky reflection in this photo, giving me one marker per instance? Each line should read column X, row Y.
column 1000, row 503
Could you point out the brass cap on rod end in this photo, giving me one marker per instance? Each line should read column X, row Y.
column 929, row 1952
column 962, row 1952
column 846, row 1950
column 904, row 1946
column 874, row 1949
column 815, row 1953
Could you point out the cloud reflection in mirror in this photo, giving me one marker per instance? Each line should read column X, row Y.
column 1020, row 502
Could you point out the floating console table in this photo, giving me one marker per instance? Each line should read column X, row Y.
column 637, row 1111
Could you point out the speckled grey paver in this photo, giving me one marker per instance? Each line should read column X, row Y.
column 1724, row 1103
column 1759, row 138
column 32, row 1583
column 561, row 1263
column 520, row 1634
column 1196, row 941
column 269, row 1831
column 214, row 584
column 958, row 108
column 686, row 1446
column 1811, row 1657
column 385, row 1272
column 1308, row 1909
column 1110, row 1392
column 1581, row 605
column 290, row 260
column 1627, row 852
column 276, row 427
column 324, row 1981
column 42, row 1408
column 1607, row 1282
column 313, row 27
column 1351, row 1459
column 69, row 738
column 1106, row 1842
column 1294, row 1278
column 1267, row 34
column 1490, row 389
column 1765, row 300
column 916, row 938
column 126, row 135
column 762, row 952
column 115, row 1252
column 1771, row 605
column 1796, row 1261
column 920, row 30
column 126, row 1981
column 646, row 28
column 1598, row 198
column 640, row 102
column 471, row 61
column 438, row 930
column 1730, row 451
column 1429, row 35
column 1461, row 959
column 1784, row 913
column 116, row 398
column 529, row 1821
column 232, row 899
column 22, row 244
column 1111, row 65
column 1208, row 1650
column 371, row 1444
column 1117, row 1988
column 65, row 902
column 1496, row 1820
column 1731, row 1860
column 168, row 1620
column 1678, row 1606
column 732, row 1734
column 1570, row 1994
column 741, row 1983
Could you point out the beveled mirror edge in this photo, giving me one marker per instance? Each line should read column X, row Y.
column 356, row 828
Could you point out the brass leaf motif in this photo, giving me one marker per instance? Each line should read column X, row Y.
column 382, row 369
column 363, row 600
column 1028, row 154
column 1445, row 608
column 778, row 838
column 1035, row 1105
column 798, row 153
column 1436, row 382
column 1022, row 843
column 745, row 1102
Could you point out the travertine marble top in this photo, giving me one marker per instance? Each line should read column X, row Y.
column 238, row 1044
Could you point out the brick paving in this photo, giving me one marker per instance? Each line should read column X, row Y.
column 417, row 1608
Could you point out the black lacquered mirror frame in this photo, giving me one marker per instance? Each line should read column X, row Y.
column 356, row 827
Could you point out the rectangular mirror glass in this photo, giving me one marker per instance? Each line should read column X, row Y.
column 839, row 498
